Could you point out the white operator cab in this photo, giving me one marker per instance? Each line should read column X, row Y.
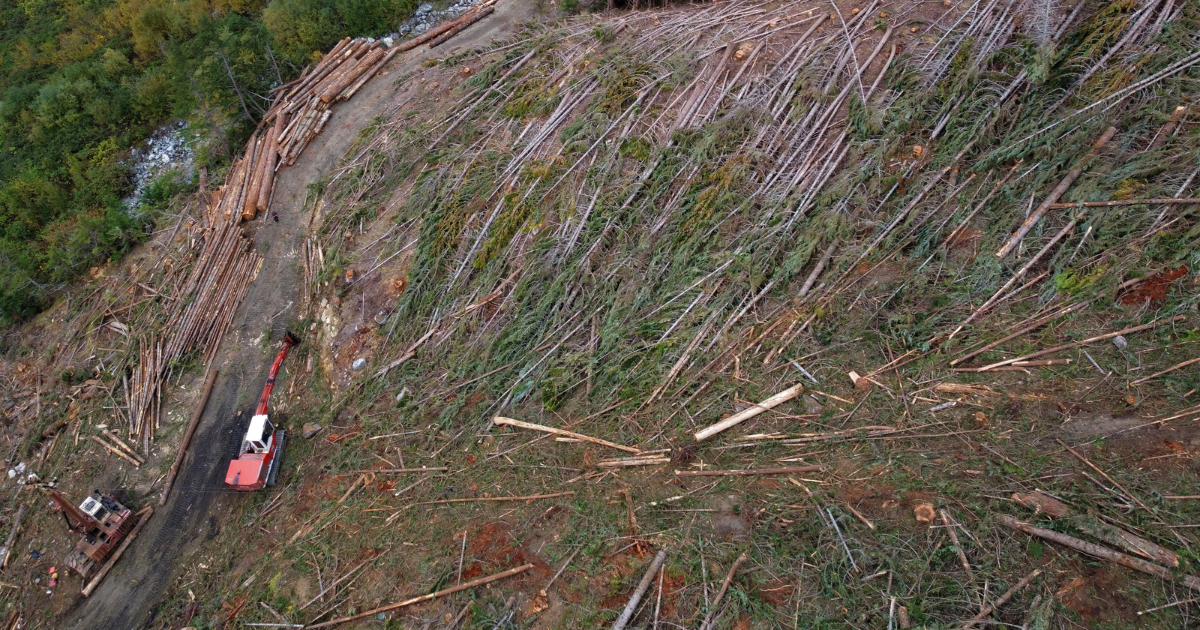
column 93, row 508
column 259, row 435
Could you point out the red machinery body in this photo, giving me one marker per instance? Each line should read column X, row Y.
column 261, row 451
column 101, row 520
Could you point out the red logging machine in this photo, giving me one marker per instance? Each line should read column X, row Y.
column 261, row 451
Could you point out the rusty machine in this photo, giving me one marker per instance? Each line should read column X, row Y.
column 102, row 521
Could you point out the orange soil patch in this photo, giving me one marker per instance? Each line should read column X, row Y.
column 1153, row 289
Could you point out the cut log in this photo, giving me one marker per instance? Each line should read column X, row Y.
column 1104, row 553
column 187, row 436
column 424, row 598
column 502, row 421
column 746, row 414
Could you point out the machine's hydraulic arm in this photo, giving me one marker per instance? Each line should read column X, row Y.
column 289, row 340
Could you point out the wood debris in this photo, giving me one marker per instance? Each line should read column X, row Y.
column 1104, row 553
column 753, row 410
column 502, row 421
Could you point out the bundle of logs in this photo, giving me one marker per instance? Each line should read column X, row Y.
column 227, row 262
column 297, row 115
column 218, row 282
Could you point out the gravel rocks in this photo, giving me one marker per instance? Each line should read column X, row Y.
column 167, row 149
column 426, row 17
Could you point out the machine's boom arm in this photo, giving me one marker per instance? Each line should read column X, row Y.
column 77, row 521
column 289, row 340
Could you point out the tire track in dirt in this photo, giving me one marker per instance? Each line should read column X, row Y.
column 132, row 595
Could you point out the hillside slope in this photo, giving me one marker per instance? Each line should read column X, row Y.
column 959, row 238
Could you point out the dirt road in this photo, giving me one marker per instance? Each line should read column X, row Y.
column 131, row 596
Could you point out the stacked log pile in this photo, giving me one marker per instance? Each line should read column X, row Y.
column 298, row 114
column 227, row 262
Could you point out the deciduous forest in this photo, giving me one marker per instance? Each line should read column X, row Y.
column 82, row 82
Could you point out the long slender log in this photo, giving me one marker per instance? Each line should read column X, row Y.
column 268, row 159
column 366, row 76
column 1103, row 553
column 1059, row 190
column 502, row 421
column 250, row 200
column 1188, row 201
column 1083, row 342
column 747, row 473
column 738, row 418
column 187, row 436
column 712, row 612
column 349, row 60
column 431, row 33
column 319, row 72
column 424, row 598
column 12, row 535
column 143, row 516
column 116, row 451
column 1166, row 371
column 1038, row 324
column 531, row 497
column 347, row 78
column 640, row 591
column 116, row 441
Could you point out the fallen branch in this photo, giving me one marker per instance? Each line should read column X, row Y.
column 1112, row 481
column 401, row 470
column 636, row 598
column 1170, row 369
column 1126, row 202
column 1059, row 190
column 1019, row 365
column 424, row 598
column 408, row 354
column 709, row 618
column 746, row 473
column 1003, row 599
column 336, row 582
column 478, row 499
column 1034, row 326
column 1103, row 553
column 12, row 536
column 633, row 461
column 502, row 421
column 962, row 555
column 746, row 414
column 1084, row 342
